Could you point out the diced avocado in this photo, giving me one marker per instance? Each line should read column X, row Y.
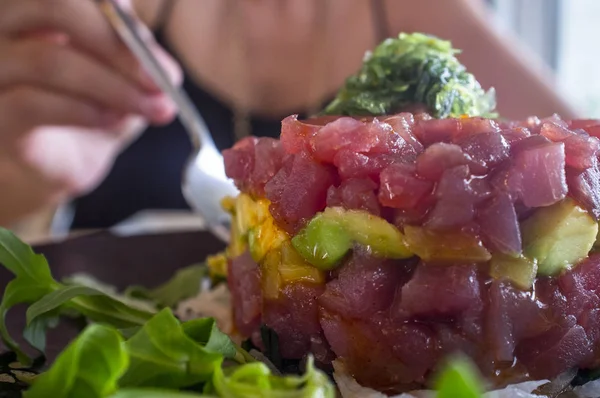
column 323, row 242
column 329, row 236
column 380, row 236
column 558, row 236
column 519, row 270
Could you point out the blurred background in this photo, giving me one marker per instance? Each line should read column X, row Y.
column 565, row 34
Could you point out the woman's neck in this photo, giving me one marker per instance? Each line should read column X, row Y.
column 271, row 56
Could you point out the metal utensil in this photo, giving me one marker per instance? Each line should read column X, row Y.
column 204, row 180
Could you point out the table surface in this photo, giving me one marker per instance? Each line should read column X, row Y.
column 146, row 260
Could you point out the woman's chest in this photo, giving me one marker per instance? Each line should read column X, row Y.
column 272, row 56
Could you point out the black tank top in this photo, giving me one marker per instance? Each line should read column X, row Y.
column 147, row 175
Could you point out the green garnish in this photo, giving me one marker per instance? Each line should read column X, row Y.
column 132, row 348
column 163, row 357
column 459, row 379
column 48, row 298
column 414, row 69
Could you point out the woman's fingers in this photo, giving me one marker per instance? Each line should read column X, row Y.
column 86, row 27
column 26, row 107
column 61, row 68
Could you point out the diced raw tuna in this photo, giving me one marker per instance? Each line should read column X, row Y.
column 355, row 342
column 299, row 191
column 514, row 135
column 295, row 318
column 401, row 188
column 439, row 157
column 555, row 132
column 473, row 126
column 342, row 134
column 500, row 226
column 429, row 132
column 243, row 279
column 581, row 151
column 403, row 124
column 457, row 190
column 457, row 195
column 357, row 194
column 542, row 170
column 365, row 285
column 486, row 150
column 359, row 165
column 295, row 134
column 239, row 160
column 512, row 316
column 562, row 347
column 440, row 291
column 584, row 187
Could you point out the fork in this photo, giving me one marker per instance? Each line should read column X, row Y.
column 204, row 181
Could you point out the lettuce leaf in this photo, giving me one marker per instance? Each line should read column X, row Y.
column 32, row 281
column 33, row 284
column 164, row 355
column 89, row 367
column 154, row 393
column 256, row 380
column 186, row 283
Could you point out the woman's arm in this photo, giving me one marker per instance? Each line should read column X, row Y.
column 524, row 85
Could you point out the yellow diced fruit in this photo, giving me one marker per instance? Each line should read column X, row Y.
column 264, row 238
column 238, row 244
column 443, row 246
column 217, row 265
column 246, row 214
column 270, row 279
column 520, row 270
column 294, row 268
column 228, row 204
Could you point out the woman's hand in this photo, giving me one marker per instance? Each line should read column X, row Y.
column 71, row 97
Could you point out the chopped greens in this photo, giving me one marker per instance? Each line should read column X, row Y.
column 412, row 70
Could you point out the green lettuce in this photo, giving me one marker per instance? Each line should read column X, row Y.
column 256, row 380
column 167, row 354
column 90, row 367
column 162, row 358
column 48, row 299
